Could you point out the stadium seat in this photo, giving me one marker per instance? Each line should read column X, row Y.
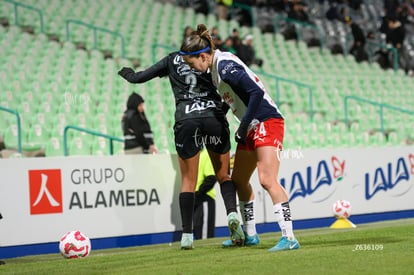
column 79, row 147
column 38, row 135
column 54, row 147
column 61, row 70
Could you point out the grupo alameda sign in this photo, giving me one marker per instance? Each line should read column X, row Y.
column 88, row 192
column 116, row 193
column 101, row 196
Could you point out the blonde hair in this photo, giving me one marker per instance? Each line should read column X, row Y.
column 198, row 42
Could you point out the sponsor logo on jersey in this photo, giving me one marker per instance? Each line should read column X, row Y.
column 228, row 68
column 199, row 106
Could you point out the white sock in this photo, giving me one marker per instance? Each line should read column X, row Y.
column 284, row 219
column 247, row 213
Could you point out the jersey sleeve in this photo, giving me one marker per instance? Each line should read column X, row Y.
column 159, row 69
column 243, row 85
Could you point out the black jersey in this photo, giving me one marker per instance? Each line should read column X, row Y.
column 194, row 92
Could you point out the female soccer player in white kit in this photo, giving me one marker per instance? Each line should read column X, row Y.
column 259, row 136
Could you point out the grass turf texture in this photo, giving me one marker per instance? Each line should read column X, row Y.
column 376, row 248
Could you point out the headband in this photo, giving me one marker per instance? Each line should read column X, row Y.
column 195, row 52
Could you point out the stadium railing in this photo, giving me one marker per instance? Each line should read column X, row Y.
column 95, row 30
column 90, row 132
column 386, row 47
column 19, row 127
column 380, row 106
column 25, row 6
column 298, row 84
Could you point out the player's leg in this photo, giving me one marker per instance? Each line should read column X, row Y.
column 219, row 151
column 244, row 166
column 268, row 169
column 188, row 158
column 268, row 145
column 221, row 164
column 189, row 169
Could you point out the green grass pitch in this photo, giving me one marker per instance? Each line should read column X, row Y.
column 375, row 248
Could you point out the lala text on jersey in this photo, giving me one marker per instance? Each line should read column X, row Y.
column 183, row 69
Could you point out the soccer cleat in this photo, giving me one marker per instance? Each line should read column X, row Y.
column 248, row 241
column 252, row 240
column 236, row 232
column 285, row 244
column 187, row 241
column 227, row 243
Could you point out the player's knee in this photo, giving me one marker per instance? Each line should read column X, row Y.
column 266, row 182
column 265, row 187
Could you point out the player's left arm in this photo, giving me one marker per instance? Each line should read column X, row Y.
column 207, row 184
column 159, row 69
column 246, row 88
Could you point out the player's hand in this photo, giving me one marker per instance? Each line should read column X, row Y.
column 153, row 149
column 125, row 71
column 241, row 134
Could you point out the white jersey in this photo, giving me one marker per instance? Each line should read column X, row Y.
column 246, row 96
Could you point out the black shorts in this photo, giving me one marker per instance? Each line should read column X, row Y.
column 191, row 135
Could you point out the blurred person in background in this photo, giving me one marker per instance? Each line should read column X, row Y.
column 358, row 44
column 223, row 7
column 138, row 136
column 247, row 53
column 215, row 34
column 187, row 31
column 227, row 46
column 235, row 37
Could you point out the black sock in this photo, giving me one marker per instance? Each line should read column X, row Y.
column 228, row 192
column 187, row 209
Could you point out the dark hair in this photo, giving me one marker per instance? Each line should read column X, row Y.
column 199, row 41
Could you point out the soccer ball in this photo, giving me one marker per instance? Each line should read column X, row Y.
column 341, row 209
column 74, row 244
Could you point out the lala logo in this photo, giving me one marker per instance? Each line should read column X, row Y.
column 395, row 176
column 45, row 188
column 318, row 184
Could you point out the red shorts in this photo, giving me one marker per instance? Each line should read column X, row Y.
column 267, row 133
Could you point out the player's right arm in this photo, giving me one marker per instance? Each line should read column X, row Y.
column 158, row 69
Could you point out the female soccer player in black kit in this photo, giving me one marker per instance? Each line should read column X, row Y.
column 199, row 121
